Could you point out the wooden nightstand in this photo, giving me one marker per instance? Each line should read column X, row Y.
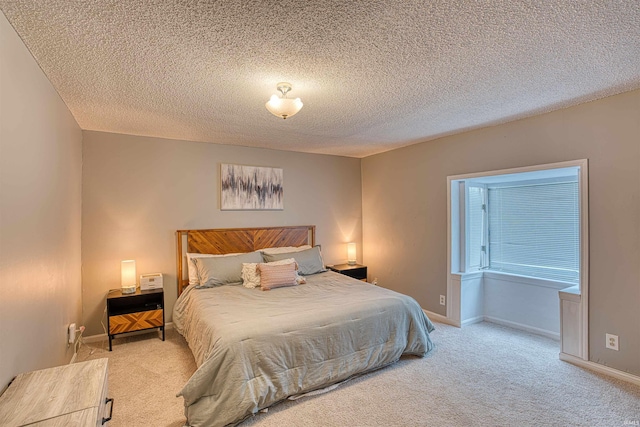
column 356, row 271
column 134, row 312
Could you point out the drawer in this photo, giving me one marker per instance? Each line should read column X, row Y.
column 356, row 273
column 86, row 417
column 105, row 409
column 135, row 321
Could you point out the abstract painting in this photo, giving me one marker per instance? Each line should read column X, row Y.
column 250, row 188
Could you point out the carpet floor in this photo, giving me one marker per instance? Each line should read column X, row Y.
column 480, row 375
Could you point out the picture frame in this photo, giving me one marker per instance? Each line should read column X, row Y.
column 251, row 187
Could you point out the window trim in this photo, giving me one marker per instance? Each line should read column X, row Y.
column 484, row 240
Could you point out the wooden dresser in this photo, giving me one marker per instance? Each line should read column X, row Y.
column 69, row 395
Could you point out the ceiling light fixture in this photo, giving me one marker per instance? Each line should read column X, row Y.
column 283, row 106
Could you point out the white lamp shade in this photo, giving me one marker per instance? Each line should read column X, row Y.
column 351, row 253
column 283, row 107
column 128, row 273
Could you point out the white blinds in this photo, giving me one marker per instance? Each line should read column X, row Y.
column 534, row 230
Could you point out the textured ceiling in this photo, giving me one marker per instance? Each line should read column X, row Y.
column 373, row 75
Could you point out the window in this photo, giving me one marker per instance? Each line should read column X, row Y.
column 534, row 230
column 514, row 238
column 525, row 224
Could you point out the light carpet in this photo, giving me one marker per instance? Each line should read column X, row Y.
column 481, row 375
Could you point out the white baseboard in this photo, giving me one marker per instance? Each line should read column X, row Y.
column 440, row 318
column 587, row 364
column 102, row 337
column 473, row 320
column 526, row 328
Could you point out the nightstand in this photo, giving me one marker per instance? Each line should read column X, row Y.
column 134, row 312
column 356, row 271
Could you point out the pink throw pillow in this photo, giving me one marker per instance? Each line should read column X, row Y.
column 277, row 276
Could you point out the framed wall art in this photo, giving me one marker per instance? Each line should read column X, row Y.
column 250, row 188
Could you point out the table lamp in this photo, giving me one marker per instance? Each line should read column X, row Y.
column 351, row 253
column 128, row 276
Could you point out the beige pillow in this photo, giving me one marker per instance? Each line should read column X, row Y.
column 277, row 276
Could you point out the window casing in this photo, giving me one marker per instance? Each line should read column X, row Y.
column 476, row 203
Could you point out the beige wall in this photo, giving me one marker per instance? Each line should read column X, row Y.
column 404, row 208
column 40, row 208
column 138, row 191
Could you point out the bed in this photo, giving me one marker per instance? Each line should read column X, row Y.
column 254, row 348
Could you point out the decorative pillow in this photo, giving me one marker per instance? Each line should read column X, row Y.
column 285, row 249
column 225, row 270
column 277, row 276
column 309, row 260
column 192, row 270
column 251, row 275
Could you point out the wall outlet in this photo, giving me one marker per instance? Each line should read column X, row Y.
column 443, row 300
column 612, row 342
column 71, row 334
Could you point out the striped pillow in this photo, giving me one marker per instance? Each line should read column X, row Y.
column 251, row 275
column 276, row 276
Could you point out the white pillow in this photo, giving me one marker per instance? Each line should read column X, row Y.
column 285, row 249
column 192, row 271
column 251, row 275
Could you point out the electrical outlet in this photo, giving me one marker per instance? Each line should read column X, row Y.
column 612, row 342
column 443, row 300
column 375, row 281
column 71, row 334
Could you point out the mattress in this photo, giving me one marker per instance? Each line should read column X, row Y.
column 255, row 348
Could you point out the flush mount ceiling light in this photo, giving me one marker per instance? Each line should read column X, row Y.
column 283, row 106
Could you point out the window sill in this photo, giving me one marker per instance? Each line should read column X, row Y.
column 570, row 294
column 471, row 275
column 532, row 281
column 520, row 280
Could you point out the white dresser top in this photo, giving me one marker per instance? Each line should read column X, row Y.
column 42, row 395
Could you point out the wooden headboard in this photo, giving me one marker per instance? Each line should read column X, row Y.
column 233, row 240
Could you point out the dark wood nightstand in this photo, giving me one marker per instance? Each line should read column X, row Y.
column 356, row 271
column 134, row 312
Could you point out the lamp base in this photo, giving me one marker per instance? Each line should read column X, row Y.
column 351, row 262
column 129, row 289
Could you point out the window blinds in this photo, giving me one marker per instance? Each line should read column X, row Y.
column 534, row 230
